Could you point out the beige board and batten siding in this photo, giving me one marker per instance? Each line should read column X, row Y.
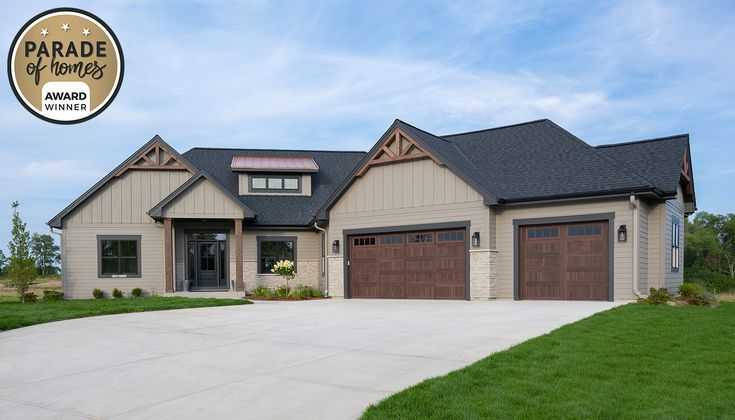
column 203, row 200
column 244, row 182
column 118, row 208
column 413, row 193
column 623, row 251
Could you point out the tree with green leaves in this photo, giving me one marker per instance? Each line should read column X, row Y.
column 21, row 270
column 46, row 253
column 3, row 263
column 710, row 243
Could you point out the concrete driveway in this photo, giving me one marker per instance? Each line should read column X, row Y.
column 314, row 359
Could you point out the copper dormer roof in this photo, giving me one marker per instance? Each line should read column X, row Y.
column 273, row 164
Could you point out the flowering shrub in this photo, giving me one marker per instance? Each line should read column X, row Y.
column 285, row 269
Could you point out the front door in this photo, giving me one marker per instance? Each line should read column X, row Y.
column 207, row 274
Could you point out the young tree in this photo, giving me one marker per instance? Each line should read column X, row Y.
column 21, row 270
column 3, row 263
column 45, row 252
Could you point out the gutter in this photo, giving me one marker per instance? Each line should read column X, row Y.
column 634, row 237
column 325, row 250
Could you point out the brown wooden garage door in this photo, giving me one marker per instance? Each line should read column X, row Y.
column 564, row 261
column 413, row 265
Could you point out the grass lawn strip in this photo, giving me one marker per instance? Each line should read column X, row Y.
column 634, row 361
column 14, row 314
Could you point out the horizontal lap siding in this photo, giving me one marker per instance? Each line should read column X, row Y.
column 643, row 240
column 623, row 263
column 656, row 213
column 81, row 270
column 411, row 193
column 118, row 208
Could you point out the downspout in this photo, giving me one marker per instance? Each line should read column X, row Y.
column 634, row 238
column 61, row 246
column 325, row 251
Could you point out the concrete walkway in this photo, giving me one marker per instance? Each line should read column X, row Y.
column 314, row 359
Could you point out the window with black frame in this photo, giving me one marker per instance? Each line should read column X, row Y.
column 119, row 256
column 674, row 245
column 272, row 250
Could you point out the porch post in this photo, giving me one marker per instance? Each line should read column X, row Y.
column 168, row 258
column 239, row 285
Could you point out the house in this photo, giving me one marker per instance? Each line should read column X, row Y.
column 526, row 211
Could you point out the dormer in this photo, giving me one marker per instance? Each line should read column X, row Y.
column 273, row 175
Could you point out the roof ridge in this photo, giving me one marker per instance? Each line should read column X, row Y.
column 625, row 143
column 422, row 130
column 605, row 156
column 494, row 128
column 274, row 150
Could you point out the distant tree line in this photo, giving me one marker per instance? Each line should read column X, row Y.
column 42, row 249
column 709, row 250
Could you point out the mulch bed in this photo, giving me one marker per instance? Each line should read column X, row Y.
column 251, row 297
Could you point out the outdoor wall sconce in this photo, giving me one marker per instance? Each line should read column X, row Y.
column 622, row 233
column 335, row 246
column 476, row 239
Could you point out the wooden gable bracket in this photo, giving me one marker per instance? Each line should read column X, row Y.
column 157, row 157
column 397, row 147
column 686, row 174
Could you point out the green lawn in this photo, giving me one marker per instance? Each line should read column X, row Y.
column 634, row 361
column 15, row 315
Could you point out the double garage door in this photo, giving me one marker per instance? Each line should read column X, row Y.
column 564, row 261
column 414, row 265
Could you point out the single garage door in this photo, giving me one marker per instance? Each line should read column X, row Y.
column 564, row 261
column 412, row 265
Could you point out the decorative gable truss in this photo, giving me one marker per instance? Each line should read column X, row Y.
column 687, row 183
column 157, row 157
column 397, row 147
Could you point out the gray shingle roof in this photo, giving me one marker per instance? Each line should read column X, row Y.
column 659, row 160
column 334, row 167
column 540, row 160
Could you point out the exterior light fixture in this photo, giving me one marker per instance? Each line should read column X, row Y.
column 335, row 246
column 476, row 239
column 622, row 233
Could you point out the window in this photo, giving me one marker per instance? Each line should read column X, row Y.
column 420, row 237
column 552, row 232
column 119, row 256
column 364, row 241
column 450, row 236
column 674, row 245
column 392, row 239
column 274, row 249
column 584, row 230
column 275, row 183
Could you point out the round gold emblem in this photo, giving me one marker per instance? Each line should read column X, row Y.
column 65, row 65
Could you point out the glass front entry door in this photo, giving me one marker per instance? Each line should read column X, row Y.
column 207, row 264
column 206, row 260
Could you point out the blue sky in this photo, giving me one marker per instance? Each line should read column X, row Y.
column 334, row 75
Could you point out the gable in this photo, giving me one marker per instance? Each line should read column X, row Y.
column 152, row 157
column 158, row 156
column 397, row 147
column 201, row 197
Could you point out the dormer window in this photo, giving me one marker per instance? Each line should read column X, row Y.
column 275, row 183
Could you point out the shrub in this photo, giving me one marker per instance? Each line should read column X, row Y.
column 285, row 269
column 261, row 292
column 52, row 296
column 686, row 290
column 98, row 293
column 657, row 297
column 117, row 293
column 282, row 291
column 715, row 282
column 304, row 291
column 28, row 297
column 703, row 297
column 137, row 292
